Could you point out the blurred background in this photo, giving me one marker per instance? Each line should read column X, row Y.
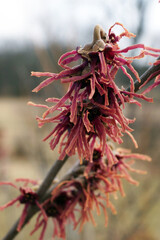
column 33, row 35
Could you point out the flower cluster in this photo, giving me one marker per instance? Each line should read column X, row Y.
column 27, row 197
column 74, row 200
column 91, row 110
column 90, row 117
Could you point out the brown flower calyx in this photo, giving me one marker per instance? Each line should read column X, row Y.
column 100, row 39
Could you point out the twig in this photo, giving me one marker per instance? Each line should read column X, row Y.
column 74, row 173
column 146, row 75
column 50, row 176
column 58, row 165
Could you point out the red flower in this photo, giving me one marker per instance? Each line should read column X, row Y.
column 27, row 196
column 88, row 192
column 125, row 160
column 100, row 62
column 91, row 121
column 94, row 108
column 78, row 126
column 60, row 208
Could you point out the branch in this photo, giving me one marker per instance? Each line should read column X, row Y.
column 78, row 169
column 153, row 69
column 50, row 177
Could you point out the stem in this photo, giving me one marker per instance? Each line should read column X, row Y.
column 50, row 176
column 145, row 76
column 74, row 173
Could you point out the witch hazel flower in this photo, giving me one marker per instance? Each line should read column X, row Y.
column 100, row 62
column 27, row 197
column 90, row 121
column 122, row 169
column 60, row 209
column 92, row 124
column 69, row 199
column 73, row 201
column 125, row 166
column 91, row 108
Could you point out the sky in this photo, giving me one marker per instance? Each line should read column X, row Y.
column 71, row 21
